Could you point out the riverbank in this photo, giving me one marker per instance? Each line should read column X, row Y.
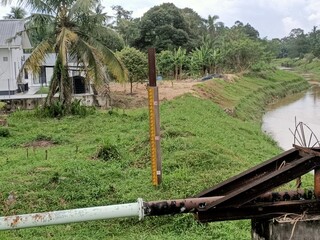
column 50, row 164
column 246, row 97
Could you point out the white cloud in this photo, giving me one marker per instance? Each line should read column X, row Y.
column 313, row 11
column 289, row 23
column 4, row 11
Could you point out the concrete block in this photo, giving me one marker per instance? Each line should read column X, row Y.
column 293, row 227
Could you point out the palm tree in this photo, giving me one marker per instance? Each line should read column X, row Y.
column 16, row 13
column 74, row 28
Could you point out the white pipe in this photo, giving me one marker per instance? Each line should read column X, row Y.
column 72, row 216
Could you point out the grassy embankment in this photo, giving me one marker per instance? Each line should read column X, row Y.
column 310, row 68
column 202, row 145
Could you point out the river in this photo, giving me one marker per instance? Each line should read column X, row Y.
column 280, row 116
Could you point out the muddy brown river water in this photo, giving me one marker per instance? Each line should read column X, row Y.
column 280, row 116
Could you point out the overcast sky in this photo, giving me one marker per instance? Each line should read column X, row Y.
column 272, row 18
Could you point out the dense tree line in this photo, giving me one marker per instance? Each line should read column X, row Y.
column 187, row 45
column 297, row 44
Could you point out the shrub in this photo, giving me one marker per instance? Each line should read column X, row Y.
column 108, row 152
column 58, row 110
column 78, row 109
column 4, row 132
column 2, row 105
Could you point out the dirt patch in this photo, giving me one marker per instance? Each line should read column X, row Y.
column 121, row 97
column 40, row 144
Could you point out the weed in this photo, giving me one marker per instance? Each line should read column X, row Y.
column 55, row 178
column 41, row 137
column 108, row 152
column 78, row 109
column 2, row 106
column 4, row 132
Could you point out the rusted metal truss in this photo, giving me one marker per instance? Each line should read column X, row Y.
column 243, row 192
column 193, row 205
column 265, row 210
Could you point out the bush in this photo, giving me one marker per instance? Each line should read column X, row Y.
column 78, row 109
column 4, row 132
column 108, row 152
column 2, row 105
column 55, row 110
column 58, row 110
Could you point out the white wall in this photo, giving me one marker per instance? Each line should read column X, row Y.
column 5, row 70
column 9, row 69
column 17, row 55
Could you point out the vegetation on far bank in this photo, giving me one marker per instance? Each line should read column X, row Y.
column 309, row 66
column 54, row 164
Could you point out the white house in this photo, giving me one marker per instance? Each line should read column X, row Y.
column 13, row 42
column 46, row 71
column 12, row 56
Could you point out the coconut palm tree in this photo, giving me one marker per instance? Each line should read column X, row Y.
column 73, row 29
column 16, row 13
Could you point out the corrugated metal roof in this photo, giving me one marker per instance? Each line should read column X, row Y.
column 9, row 29
column 49, row 60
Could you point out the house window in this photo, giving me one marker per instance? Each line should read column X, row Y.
column 26, row 76
column 5, row 59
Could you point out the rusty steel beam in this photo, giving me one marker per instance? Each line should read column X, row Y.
column 304, row 151
column 192, row 205
column 168, row 207
column 299, row 194
column 275, row 179
column 262, row 210
column 251, row 175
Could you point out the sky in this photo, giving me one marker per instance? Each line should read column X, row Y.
column 272, row 18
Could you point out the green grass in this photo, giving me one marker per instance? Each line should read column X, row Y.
column 43, row 90
column 310, row 68
column 201, row 146
column 246, row 97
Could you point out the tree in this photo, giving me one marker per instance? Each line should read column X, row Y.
column 164, row 28
column 16, row 13
column 129, row 30
column 121, row 13
column 112, row 39
column 196, row 26
column 314, row 41
column 211, row 25
column 125, row 25
column 247, row 29
column 242, row 52
column 136, row 63
column 165, row 63
column 74, row 33
column 296, row 43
